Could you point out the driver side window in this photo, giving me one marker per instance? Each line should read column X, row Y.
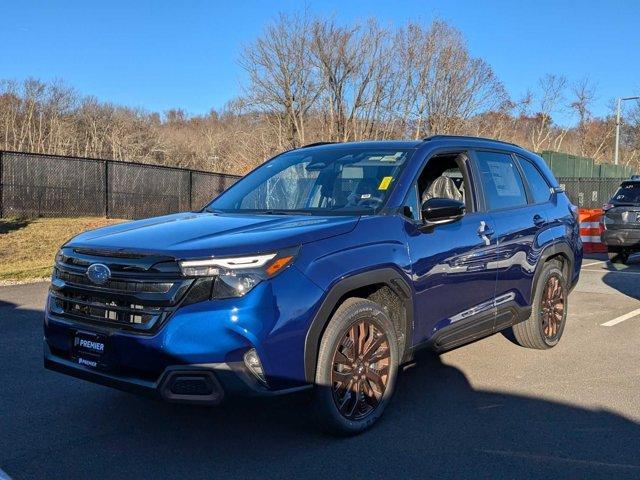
column 411, row 204
column 444, row 176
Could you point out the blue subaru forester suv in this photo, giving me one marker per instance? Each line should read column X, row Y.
column 325, row 268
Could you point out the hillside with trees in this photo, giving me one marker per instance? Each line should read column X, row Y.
column 313, row 79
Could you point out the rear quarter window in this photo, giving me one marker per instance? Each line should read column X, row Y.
column 540, row 189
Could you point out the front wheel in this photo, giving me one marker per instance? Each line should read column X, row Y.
column 543, row 329
column 357, row 368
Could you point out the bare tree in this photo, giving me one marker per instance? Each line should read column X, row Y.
column 445, row 85
column 583, row 96
column 282, row 80
column 549, row 98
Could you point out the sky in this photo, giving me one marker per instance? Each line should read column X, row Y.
column 159, row 55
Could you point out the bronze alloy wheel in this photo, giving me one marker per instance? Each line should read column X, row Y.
column 360, row 370
column 552, row 307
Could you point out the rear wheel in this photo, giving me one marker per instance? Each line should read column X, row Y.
column 357, row 368
column 617, row 255
column 545, row 326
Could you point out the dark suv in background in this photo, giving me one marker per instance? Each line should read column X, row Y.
column 326, row 268
column 621, row 221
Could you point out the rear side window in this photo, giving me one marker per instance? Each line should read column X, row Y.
column 539, row 187
column 501, row 180
column 627, row 193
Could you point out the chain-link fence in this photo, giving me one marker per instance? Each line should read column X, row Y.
column 35, row 185
column 590, row 192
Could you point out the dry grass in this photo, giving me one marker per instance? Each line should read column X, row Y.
column 28, row 247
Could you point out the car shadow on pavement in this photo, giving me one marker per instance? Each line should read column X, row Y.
column 628, row 285
column 624, row 278
column 437, row 426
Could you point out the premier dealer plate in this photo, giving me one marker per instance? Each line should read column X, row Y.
column 89, row 348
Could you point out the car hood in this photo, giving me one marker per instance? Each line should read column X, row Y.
column 196, row 235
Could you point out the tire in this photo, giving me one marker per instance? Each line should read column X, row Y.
column 363, row 400
column 617, row 256
column 543, row 329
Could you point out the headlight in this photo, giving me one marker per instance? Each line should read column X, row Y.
column 212, row 266
column 235, row 276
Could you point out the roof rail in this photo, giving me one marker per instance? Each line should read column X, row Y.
column 316, row 144
column 466, row 137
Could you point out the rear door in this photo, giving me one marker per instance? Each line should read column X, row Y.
column 519, row 219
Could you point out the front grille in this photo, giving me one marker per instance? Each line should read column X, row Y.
column 137, row 300
column 116, row 285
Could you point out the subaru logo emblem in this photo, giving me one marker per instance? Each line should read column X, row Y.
column 98, row 273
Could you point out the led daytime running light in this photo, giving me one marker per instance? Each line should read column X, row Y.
column 235, row 263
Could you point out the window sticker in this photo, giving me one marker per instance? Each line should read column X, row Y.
column 384, row 184
column 391, row 158
column 504, row 178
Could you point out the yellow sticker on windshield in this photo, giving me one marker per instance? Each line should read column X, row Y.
column 384, row 184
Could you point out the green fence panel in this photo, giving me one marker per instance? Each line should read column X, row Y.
column 573, row 166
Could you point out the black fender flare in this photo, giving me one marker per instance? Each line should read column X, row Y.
column 551, row 251
column 387, row 276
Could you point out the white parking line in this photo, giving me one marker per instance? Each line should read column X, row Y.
column 622, row 318
column 544, row 459
column 608, row 271
column 4, row 476
column 593, row 263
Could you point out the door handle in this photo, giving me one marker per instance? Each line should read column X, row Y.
column 485, row 229
column 538, row 221
column 484, row 232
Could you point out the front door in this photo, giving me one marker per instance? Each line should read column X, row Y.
column 453, row 266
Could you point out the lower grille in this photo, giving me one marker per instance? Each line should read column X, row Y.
column 98, row 309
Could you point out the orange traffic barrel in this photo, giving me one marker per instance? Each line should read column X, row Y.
column 591, row 230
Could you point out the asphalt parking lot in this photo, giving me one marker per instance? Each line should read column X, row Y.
column 486, row 410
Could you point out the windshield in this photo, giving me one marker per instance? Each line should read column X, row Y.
column 343, row 181
column 627, row 193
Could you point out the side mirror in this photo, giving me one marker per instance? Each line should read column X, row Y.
column 438, row 211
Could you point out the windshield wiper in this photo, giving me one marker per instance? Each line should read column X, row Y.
column 212, row 210
column 283, row 212
column 258, row 212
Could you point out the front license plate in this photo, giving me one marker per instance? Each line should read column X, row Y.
column 89, row 348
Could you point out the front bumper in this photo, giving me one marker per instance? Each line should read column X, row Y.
column 210, row 337
column 629, row 237
column 203, row 384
